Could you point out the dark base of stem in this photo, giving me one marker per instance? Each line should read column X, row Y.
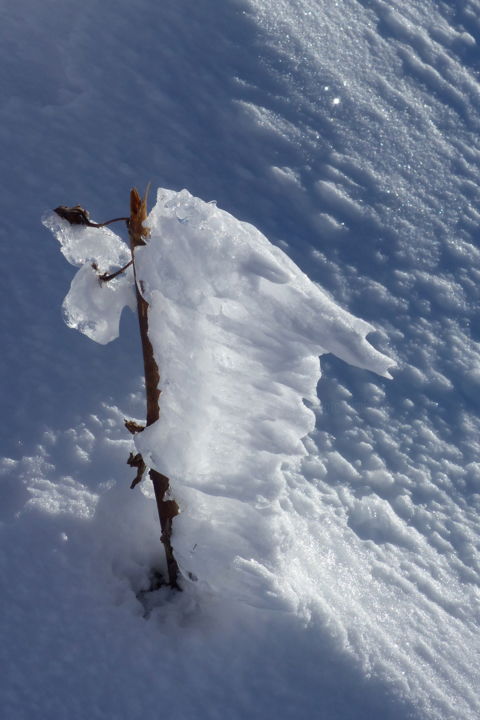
column 167, row 510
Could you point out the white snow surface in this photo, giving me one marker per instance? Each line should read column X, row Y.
column 237, row 329
column 348, row 134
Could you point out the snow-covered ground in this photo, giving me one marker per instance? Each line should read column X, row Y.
column 347, row 133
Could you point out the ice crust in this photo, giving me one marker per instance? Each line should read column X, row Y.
column 237, row 330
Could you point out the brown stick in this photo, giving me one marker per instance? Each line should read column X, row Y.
column 167, row 509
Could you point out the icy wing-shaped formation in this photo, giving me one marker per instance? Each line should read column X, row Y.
column 92, row 307
column 237, row 331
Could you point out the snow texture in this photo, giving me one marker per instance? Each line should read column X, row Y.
column 348, row 134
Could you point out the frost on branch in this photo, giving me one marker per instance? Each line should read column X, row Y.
column 237, row 330
column 91, row 307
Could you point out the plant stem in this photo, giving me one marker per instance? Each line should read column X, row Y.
column 105, row 277
column 167, row 509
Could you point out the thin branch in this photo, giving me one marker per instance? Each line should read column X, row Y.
column 105, row 277
column 138, row 232
column 109, row 222
column 167, row 509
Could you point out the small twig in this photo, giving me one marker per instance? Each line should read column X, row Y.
column 138, row 233
column 167, row 509
column 109, row 222
column 106, row 277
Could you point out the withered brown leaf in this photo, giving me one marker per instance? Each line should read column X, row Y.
column 138, row 215
column 75, row 215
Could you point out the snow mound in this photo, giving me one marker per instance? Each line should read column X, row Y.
column 237, row 330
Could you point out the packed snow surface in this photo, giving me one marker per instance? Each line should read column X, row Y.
column 237, row 329
column 348, row 134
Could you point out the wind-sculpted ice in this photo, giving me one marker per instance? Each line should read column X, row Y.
column 237, row 330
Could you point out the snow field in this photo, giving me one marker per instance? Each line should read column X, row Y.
column 348, row 134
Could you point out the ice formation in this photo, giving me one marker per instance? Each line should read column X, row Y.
column 237, row 330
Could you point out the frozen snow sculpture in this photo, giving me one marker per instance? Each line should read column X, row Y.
column 237, row 330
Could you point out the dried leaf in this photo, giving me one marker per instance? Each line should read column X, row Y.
column 137, row 461
column 138, row 215
column 133, row 427
column 75, row 215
